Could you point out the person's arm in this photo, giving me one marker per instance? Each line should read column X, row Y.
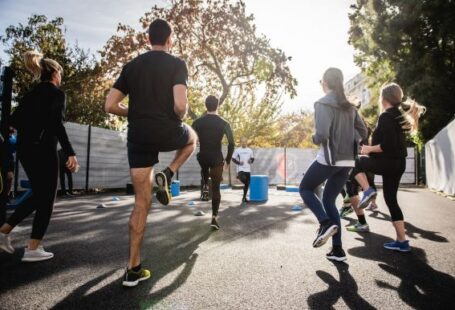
column 57, row 117
column 322, row 120
column 231, row 143
column 359, row 125
column 251, row 160
column 367, row 149
column 388, row 137
column 114, row 104
column 180, row 90
column 235, row 158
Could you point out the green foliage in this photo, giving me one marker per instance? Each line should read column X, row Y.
column 413, row 43
column 81, row 73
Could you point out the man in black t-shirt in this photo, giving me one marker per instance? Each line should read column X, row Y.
column 156, row 83
column 211, row 128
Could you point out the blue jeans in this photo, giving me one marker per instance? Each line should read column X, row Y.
column 326, row 210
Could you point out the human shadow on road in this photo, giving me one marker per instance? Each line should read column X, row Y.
column 345, row 288
column 411, row 230
column 421, row 286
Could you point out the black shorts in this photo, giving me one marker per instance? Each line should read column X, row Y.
column 146, row 155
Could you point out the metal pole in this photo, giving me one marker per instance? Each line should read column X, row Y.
column 285, row 167
column 87, row 170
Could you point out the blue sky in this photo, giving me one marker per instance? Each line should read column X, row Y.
column 313, row 32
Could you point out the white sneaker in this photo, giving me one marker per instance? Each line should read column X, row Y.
column 37, row 255
column 5, row 243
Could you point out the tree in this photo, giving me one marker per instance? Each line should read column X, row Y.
column 223, row 51
column 296, row 130
column 412, row 42
column 82, row 81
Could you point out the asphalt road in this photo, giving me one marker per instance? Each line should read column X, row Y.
column 262, row 258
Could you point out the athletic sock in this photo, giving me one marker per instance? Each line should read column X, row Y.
column 362, row 219
column 337, row 247
column 169, row 172
column 137, row 268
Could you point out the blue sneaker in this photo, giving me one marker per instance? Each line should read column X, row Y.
column 368, row 195
column 398, row 246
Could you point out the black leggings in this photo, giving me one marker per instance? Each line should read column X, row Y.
column 391, row 170
column 40, row 163
column 216, row 174
column 352, row 186
column 244, row 177
column 65, row 171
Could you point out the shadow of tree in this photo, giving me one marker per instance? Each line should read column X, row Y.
column 421, row 286
column 345, row 288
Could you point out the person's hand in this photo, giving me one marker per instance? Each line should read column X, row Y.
column 72, row 163
column 226, row 167
column 365, row 150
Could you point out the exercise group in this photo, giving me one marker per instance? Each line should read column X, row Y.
column 156, row 84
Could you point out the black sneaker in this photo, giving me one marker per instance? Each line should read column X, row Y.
column 337, row 254
column 132, row 278
column 163, row 179
column 214, row 224
column 205, row 194
column 324, row 233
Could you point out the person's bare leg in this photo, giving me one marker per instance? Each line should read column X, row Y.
column 362, row 179
column 6, row 228
column 399, row 228
column 183, row 154
column 142, row 182
column 33, row 244
column 355, row 203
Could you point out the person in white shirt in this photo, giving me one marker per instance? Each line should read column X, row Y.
column 243, row 157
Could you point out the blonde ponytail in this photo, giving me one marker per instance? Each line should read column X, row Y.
column 41, row 68
column 32, row 61
column 410, row 109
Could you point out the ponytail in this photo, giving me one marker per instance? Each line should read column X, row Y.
column 333, row 77
column 33, row 61
column 410, row 109
column 41, row 68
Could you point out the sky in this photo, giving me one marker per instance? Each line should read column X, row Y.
column 313, row 32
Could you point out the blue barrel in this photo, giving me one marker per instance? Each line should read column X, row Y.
column 175, row 188
column 259, row 188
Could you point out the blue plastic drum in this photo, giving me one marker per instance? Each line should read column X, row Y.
column 175, row 188
column 259, row 188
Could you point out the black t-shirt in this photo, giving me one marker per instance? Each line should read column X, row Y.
column 389, row 133
column 148, row 80
column 211, row 129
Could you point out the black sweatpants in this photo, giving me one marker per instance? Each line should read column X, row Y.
column 40, row 163
column 392, row 170
column 216, row 174
column 244, row 177
column 65, row 171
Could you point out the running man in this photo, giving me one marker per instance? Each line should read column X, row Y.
column 211, row 128
column 243, row 157
column 156, row 83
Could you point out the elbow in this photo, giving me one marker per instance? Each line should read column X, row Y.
column 181, row 109
column 107, row 108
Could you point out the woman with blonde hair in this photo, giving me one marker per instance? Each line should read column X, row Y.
column 387, row 155
column 39, row 124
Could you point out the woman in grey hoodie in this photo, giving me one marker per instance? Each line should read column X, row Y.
column 336, row 123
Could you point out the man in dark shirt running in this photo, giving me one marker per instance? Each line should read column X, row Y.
column 211, row 129
column 156, row 85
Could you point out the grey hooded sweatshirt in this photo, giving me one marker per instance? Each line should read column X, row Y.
column 338, row 131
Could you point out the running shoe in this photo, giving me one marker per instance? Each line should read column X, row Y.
column 372, row 206
column 336, row 254
column 368, row 195
column 324, row 233
column 163, row 195
column 205, row 193
column 398, row 246
column 215, row 224
column 132, row 278
column 5, row 243
column 357, row 227
column 347, row 201
column 244, row 200
column 37, row 255
column 345, row 211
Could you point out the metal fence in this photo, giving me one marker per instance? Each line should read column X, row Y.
column 103, row 159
